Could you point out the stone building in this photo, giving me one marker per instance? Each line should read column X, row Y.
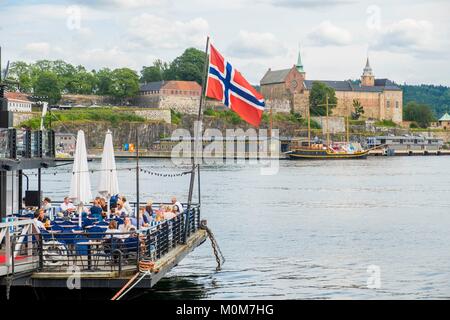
column 18, row 102
column 288, row 90
column 444, row 121
column 181, row 96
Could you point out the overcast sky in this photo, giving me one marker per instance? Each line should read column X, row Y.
column 406, row 40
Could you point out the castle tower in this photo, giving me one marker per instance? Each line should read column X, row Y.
column 367, row 78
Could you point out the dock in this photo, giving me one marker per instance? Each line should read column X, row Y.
column 440, row 152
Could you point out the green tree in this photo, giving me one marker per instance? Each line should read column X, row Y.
column 317, row 99
column 103, row 80
column 66, row 74
column 124, row 84
column 188, row 66
column 83, row 82
column 358, row 109
column 21, row 72
column 47, row 85
column 419, row 113
column 151, row 74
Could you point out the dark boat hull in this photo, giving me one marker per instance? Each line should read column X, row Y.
column 324, row 155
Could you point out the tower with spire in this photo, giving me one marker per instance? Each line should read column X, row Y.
column 299, row 64
column 367, row 78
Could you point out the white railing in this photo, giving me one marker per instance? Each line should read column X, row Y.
column 23, row 230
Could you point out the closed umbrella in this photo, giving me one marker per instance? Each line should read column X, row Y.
column 80, row 185
column 109, row 184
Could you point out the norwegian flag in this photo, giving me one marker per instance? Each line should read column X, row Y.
column 228, row 85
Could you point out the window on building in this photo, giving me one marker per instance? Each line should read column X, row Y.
column 388, row 104
column 397, row 104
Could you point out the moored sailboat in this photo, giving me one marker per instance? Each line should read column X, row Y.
column 319, row 150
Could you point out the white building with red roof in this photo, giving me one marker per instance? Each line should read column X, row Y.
column 18, row 102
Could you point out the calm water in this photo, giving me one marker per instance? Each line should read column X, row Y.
column 312, row 230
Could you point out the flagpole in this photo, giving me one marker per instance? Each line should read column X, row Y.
column 197, row 139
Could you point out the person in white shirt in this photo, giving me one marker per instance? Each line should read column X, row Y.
column 47, row 204
column 112, row 228
column 37, row 216
column 177, row 206
column 66, row 207
column 127, row 207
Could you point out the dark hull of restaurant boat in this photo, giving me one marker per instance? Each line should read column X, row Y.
column 324, row 155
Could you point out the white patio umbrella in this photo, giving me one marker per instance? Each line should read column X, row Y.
column 80, row 185
column 109, row 185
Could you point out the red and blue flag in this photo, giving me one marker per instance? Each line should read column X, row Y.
column 226, row 84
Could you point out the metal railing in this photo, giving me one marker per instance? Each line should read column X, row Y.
column 66, row 245
column 18, row 143
column 18, row 247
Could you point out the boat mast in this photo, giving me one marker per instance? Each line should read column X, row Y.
column 328, row 131
column 309, row 126
column 347, row 127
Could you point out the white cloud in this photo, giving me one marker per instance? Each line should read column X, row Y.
column 307, row 3
column 38, row 49
column 162, row 33
column 405, row 36
column 107, row 57
column 253, row 44
column 127, row 4
column 328, row 34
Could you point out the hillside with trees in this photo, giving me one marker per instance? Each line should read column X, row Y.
column 55, row 78
column 437, row 97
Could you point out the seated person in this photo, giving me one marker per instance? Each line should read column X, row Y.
column 167, row 213
column 47, row 205
column 112, row 229
column 96, row 210
column 144, row 218
column 149, row 208
column 177, row 206
column 126, row 206
column 40, row 219
column 120, row 210
column 67, row 208
column 103, row 204
column 127, row 226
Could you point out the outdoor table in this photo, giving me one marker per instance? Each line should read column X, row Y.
column 53, row 231
column 89, row 244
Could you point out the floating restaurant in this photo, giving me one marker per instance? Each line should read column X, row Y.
column 81, row 250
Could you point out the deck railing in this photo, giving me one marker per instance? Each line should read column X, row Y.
column 60, row 250
column 17, row 246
